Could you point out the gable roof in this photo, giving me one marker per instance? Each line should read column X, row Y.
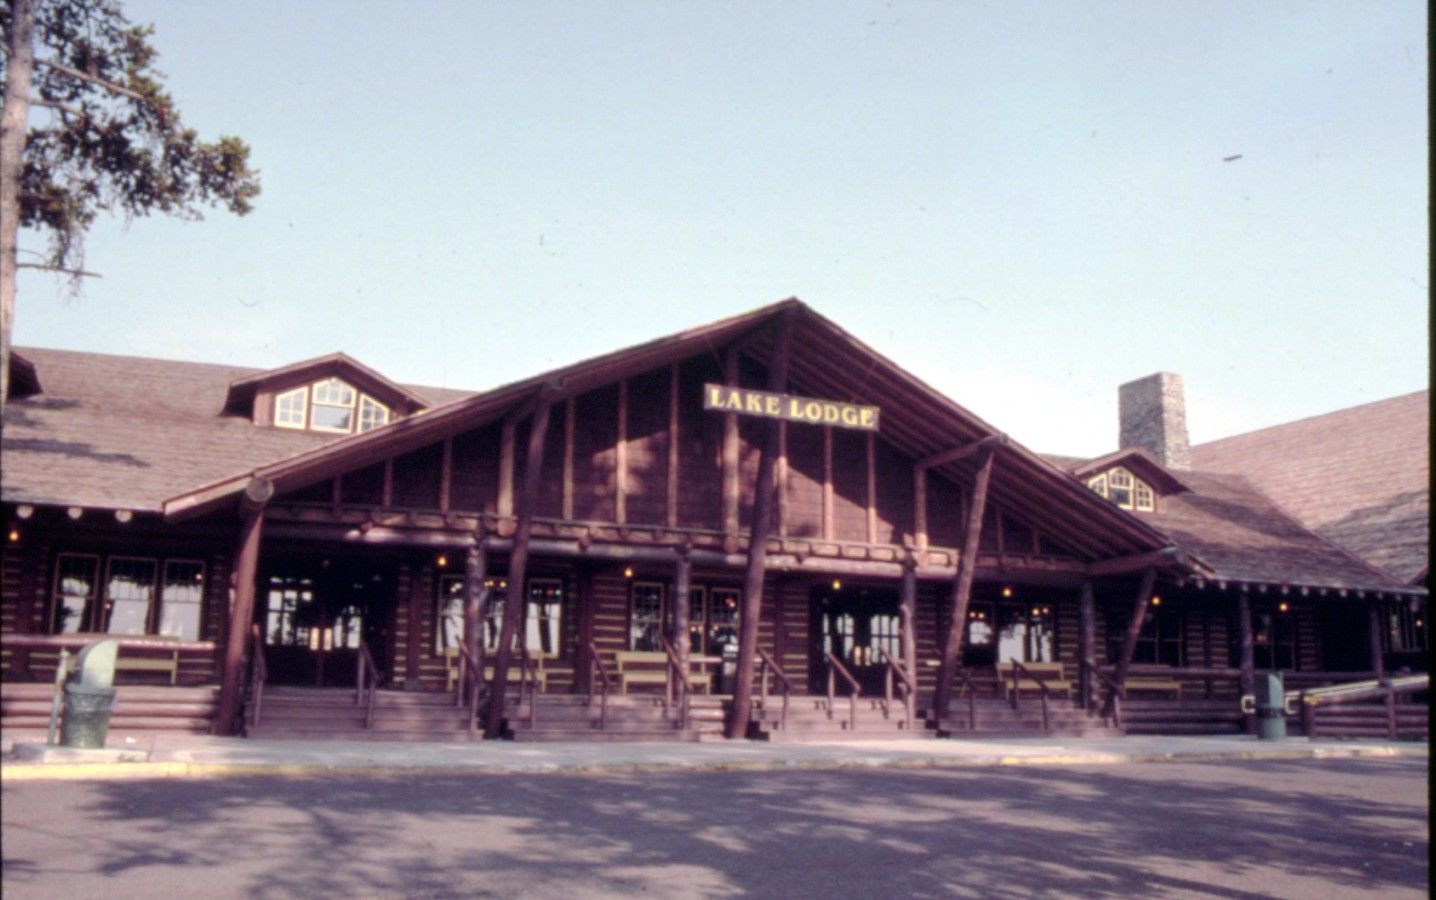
column 826, row 361
column 340, row 365
column 1358, row 477
column 1139, row 462
column 124, row 432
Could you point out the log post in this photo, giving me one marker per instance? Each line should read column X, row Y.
column 516, row 602
column 1086, row 643
column 682, row 583
column 1373, row 620
column 962, row 584
column 765, row 491
column 731, row 493
column 907, row 615
column 1246, row 679
column 1134, row 626
column 241, row 608
column 671, row 491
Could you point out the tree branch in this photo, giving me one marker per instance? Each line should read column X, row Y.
column 62, row 107
column 92, row 79
column 76, row 272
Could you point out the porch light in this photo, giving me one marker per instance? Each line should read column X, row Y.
column 1283, row 607
column 14, row 535
column 628, row 573
column 1156, row 601
column 24, row 510
column 442, row 560
column 1007, row 591
column 837, row 585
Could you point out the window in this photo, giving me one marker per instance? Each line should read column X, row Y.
column 1158, row 643
column 1407, row 629
column 1025, row 633
column 541, row 630
column 545, row 609
column 124, row 602
column 333, row 402
column 646, row 616
column 291, row 408
column 1273, row 639
column 1124, row 489
column 450, row 618
column 182, row 599
column 372, row 413
column 289, row 615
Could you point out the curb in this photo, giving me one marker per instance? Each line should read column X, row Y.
column 149, row 770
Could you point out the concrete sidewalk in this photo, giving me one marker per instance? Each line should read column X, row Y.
column 180, row 755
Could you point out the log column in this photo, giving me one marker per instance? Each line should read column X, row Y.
column 1246, row 679
column 682, row 583
column 765, row 491
column 516, row 603
column 1134, row 626
column 1373, row 620
column 476, row 597
column 1086, row 643
column 907, row 613
column 962, row 584
column 241, row 608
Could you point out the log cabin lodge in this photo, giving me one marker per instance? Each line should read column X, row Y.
column 318, row 550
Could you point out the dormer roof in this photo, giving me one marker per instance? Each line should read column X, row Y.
column 242, row 391
column 1140, row 463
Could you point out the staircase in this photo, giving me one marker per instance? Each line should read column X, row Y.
column 810, row 719
column 630, row 717
column 991, row 717
column 330, row 714
column 138, row 708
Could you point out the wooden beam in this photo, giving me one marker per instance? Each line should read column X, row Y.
column 506, row 467
column 242, row 588
column 962, row 584
column 907, row 616
column 336, row 494
column 1246, row 667
column 764, row 493
column 386, row 496
column 672, row 492
column 730, row 451
column 827, row 483
column 1373, row 622
column 682, row 582
column 963, row 452
column 783, row 478
column 446, row 473
column 568, row 426
column 1134, row 626
column 620, row 465
column 919, row 507
column 515, row 606
column 872, row 530
column 476, row 598
column 1126, row 565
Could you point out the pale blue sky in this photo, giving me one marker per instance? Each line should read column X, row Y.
column 1024, row 204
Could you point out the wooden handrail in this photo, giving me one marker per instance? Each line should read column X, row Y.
column 471, row 676
column 75, row 641
column 366, row 667
column 528, row 682
column 1365, row 690
column 966, row 680
column 836, row 667
column 596, row 666
column 1112, row 706
column 909, row 685
column 1044, row 691
column 676, row 691
column 768, row 664
column 258, row 669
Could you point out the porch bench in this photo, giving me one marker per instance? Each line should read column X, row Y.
column 651, row 668
column 163, row 660
column 1050, row 673
column 1154, row 685
column 451, row 668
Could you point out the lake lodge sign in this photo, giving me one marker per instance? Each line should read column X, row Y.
column 793, row 409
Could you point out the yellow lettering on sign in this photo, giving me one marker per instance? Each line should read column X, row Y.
column 830, row 413
column 734, row 401
column 850, row 415
column 754, row 403
column 865, row 418
column 771, row 404
column 813, row 411
column 715, row 395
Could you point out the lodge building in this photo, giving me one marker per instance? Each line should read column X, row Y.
column 317, row 548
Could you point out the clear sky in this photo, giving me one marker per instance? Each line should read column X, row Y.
column 1023, row 204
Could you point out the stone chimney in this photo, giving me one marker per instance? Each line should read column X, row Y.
column 1153, row 414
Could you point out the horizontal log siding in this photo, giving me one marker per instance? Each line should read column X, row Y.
column 929, row 622
column 397, row 668
column 647, row 448
column 793, row 611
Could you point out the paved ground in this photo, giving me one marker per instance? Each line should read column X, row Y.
column 200, row 756
column 1306, row 828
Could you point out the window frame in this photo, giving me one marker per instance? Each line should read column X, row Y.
column 362, row 405
column 661, row 620
column 91, row 600
column 106, row 608
column 164, row 584
column 315, row 403
column 303, row 394
column 1141, row 496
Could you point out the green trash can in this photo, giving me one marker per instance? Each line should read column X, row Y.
column 1270, row 707
column 86, row 716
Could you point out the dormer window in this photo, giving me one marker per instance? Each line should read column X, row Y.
column 329, row 405
column 1124, row 489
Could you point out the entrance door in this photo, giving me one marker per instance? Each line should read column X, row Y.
column 853, row 625
column 315, row 617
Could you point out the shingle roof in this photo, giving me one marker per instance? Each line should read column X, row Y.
column 123, row 432
column 1359, row 477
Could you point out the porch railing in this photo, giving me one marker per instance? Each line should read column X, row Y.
column 836, row 668
column 598, row 674
column 258, row 670
column 1385, row 689
column 1020, row 673
column 676, row 691
column 767, row 665
column 905, row 681
column 366, row 683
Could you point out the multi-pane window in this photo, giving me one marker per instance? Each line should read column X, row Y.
column 722, row 631
column 1407, row 629
column 646, row 617
column 182, row 599
column 1124, row 489
column 289, row 619
column 540, row 632
column 450, row 618
column 333, row 406
column 545, row 609
column 1273, row 639
column 124, row 602
column 1025, row 633
column 372, row 413
column 1158, row 643
column 291, row 408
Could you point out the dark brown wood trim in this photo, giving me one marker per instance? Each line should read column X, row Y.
column 387, row 497
column 1246, row 666
column 506, row 467
column 730, row 451
column 962, row 584
column 827, row 483
column 1134, row 626
column 446, row 473
column 671, row 496
column 907, row 613
column 919, row 507
column 682, row 581
column 1086, row 642
column 568, row 429
column 414, row 636
column 242, row 586
column 960, row 453
column 872, row 524
column 476, row 596
column 782, row 478
column 620, row 467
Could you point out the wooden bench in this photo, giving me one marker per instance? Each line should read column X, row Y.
column 451, row 668
column 640, row 667
column 1050, row 673
column 1154, row 685
column 159, row 659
